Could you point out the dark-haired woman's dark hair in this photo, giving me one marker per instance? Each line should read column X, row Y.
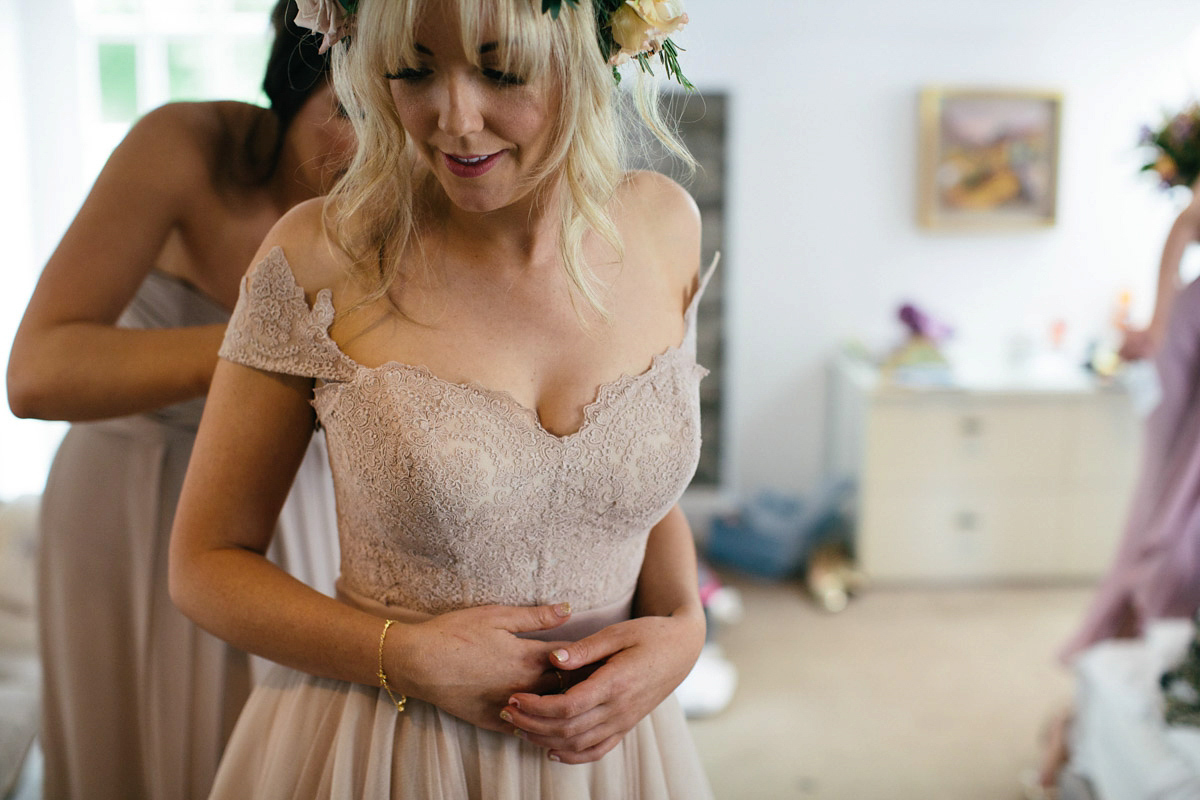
column 295, row 69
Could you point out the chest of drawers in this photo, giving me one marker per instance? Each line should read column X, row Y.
column 982, row 483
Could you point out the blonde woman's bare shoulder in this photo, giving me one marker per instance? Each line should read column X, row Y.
column 302, row 237
column 658, row 216
column 643, row 188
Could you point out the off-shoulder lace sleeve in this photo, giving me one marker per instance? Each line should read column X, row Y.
column 273, row 328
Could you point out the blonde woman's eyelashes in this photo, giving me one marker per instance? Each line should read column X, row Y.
column 408, row 74
column 413, row 74
column 503, row 78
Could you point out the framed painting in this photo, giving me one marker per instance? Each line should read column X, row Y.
column 988, row 158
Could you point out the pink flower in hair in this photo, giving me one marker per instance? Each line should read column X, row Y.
column 330, row 18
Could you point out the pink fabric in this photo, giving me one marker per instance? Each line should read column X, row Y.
column 452, row 496
column 1156, row 572
column 137, row 702
column 581, row 624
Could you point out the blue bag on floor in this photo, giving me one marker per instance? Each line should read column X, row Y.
column 773, row 533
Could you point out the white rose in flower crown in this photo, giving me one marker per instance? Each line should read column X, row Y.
column 326, row 17
column 641, row 26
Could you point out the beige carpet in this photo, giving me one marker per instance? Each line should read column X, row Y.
column 906, row 695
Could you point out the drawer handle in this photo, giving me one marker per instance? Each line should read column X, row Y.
column 972, row 426
column 966, row 520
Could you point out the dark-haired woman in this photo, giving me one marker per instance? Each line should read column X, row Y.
column 121, row 339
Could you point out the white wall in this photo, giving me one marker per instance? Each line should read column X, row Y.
column 823, row 245
column 43, row 188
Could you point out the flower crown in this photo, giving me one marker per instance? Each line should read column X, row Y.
column 625, row 29
column 330, row 18
column 635, row 30
column 1175, row 148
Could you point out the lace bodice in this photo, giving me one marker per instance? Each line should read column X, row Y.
column 454, row 495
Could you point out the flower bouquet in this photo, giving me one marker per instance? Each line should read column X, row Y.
column 1175, row 148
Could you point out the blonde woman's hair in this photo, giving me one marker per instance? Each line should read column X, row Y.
column 374, row 212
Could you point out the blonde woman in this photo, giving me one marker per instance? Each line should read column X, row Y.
column 495, row 327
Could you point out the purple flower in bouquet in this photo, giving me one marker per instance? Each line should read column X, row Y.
column 921, row 324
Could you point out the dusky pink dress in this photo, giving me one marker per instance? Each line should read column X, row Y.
column 451, row 496
column 1156, row 572
column 137, row 702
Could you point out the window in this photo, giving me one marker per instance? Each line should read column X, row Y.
column 86, row 70
column 136, row 55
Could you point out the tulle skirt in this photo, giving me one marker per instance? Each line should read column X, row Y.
column 305, row 737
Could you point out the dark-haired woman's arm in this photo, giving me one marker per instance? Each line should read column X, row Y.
column 69, row 361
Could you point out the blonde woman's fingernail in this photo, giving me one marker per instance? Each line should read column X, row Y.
column 560, row 656
column 520, row 734
column 554, row 757
column 563, row 609
column 504, row 715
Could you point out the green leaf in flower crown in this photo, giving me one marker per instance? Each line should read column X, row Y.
column 669, row 55
column 351, row 6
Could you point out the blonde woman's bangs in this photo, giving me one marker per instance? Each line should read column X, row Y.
column 524, row 37
column 386, row 35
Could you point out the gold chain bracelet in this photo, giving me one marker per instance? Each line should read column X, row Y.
column 383, row 675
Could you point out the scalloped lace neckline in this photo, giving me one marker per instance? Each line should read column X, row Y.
column 603, row 392
column 323, row 304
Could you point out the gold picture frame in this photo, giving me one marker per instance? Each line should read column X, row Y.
column 988, row 158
